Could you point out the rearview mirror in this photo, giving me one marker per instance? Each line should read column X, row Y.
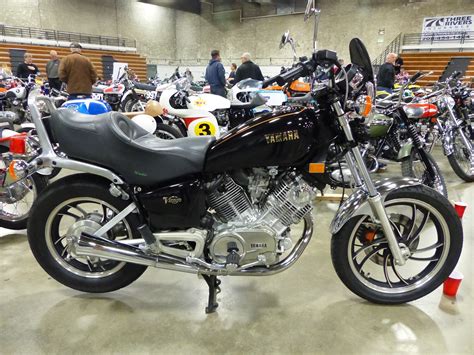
column 284, row 39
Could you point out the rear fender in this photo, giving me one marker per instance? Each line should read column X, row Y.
column 358, row 204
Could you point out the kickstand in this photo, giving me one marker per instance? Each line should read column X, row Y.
column 213, row 282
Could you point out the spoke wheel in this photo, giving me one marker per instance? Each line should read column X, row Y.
column 462, row 160
column 17, row 201
column 413, row 166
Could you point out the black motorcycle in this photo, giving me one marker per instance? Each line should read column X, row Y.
column 233, row 206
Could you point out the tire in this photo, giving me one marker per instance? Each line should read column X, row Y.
column 40, row 182
column 460, row 152
column 124, row 104
column 47, row 246
column 409, row 171
column 446, row 224
column 128, row 103
column 165, row 131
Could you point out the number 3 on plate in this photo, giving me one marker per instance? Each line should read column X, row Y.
column 205, row 129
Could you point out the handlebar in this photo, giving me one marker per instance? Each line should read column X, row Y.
column 325, row 58
column 290, row 75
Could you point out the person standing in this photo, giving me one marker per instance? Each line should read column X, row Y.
column 27, row 68
column 52, row 71
column 248, row 70
column 78, row 73
column 231, row 78
column 215, row 74
column 386, row 74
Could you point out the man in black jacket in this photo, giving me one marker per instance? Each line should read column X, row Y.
column 27, row 68
column 386, row 74
column 248, row 70
column 215, row 74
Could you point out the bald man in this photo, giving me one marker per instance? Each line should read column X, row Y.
column 52, row 71
column 248, row 69
column 386, row 74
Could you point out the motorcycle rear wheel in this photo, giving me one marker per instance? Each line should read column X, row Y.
column 426, row 223
column 409, row 170
column 80, row 203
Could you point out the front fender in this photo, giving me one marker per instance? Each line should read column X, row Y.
column 357, row 204
column 405, row 151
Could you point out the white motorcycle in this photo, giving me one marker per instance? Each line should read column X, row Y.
column 195, row 114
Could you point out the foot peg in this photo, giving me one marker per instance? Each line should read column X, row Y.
column 233, row 257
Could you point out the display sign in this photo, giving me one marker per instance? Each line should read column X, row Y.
column 445, row 28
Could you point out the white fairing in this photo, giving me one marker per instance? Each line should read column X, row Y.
column 246, row 89
column 205, row 122
column 208, row 102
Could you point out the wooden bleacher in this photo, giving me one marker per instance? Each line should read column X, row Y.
column 41, row 57
column 433, row 61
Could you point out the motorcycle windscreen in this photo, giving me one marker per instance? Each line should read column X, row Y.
column 361, row 58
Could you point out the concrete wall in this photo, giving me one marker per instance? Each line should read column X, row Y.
column 340, row 21
column 153, row 27
column 164, row 34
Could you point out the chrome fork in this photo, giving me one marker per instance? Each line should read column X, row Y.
column 400, row 252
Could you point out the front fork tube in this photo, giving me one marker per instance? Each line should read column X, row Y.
column 457, row 126
column 375, row 200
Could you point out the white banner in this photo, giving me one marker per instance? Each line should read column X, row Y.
column 445, row 28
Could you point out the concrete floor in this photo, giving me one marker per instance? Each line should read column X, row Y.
column 303, row 310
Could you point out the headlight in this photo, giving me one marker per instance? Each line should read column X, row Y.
column 449, row 101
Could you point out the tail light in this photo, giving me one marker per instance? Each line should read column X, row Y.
column 18, row 144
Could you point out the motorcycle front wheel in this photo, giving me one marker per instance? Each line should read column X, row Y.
column 413, row 166
column 462, row 157
column 427, row 224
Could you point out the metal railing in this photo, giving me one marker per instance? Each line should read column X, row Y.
column 393, row 47
column 440, row 37
column 53, row 35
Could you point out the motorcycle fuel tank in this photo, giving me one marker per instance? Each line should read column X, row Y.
column 287, row 137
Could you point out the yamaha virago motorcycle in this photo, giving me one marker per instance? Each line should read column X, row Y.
column 232, row 206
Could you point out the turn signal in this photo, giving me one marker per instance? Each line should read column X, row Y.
column 364, row 105
column 17, row 170
column 316, row 168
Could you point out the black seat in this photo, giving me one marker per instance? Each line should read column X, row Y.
column 114, row 141
column 142, row 86
column 257, row 100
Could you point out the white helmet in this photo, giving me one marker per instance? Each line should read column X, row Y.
column 146, row 122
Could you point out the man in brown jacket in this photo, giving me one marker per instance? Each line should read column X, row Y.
column 78, row 73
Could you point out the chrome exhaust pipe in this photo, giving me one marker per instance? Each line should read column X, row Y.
column 89, row 245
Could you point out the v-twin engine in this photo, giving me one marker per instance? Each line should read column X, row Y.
column 254, row 220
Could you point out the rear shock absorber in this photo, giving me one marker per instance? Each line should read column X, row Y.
column 415, row 136
column 394, row 141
